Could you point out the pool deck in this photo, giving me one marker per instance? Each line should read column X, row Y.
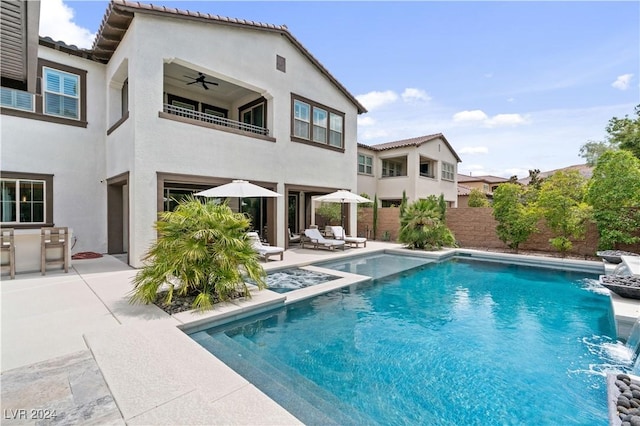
column 73, row 346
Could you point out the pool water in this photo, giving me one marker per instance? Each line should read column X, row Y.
column 458, row 342
column 376, row 266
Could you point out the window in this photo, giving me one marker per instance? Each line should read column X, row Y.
column 427, row 168
column 485, row 187
column 63, row 99
column 365, row 164
column 317, row 123
column 448, row 171
column 253, row 114
column 336, row 130
column 22, row 201
column 390, row 203
column 301, row 119
column 392, row 168
column 61, row 93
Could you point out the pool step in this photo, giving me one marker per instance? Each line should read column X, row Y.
column 303, row 398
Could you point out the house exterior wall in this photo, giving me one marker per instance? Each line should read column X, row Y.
column 143, row 145
column 73, row 155
column 159, row 145
column 416, row 186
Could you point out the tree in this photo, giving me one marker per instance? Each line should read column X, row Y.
column 423, row 226
column 332, row 212
column 561, row 203
column 623, row 133
column 477, row 198
column 516, row 221
column 614, row 194
column 403, row 203
column 202, row 250
column 375, row 216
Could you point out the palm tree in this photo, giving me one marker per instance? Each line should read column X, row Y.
column 202, row 250
column 422, row 226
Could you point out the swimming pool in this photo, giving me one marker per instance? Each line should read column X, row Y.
column 457, row 342
column 290, row 279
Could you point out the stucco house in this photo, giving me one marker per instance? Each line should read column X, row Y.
column 485, row 183
column 166, row 103
column 421, row 166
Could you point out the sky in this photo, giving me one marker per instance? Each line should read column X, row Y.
column 512, row 85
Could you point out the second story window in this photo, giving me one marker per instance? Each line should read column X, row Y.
column 254, row 113
column 316, row 123
column 365, row 164
column 448, row 171
column 392, row 168
column 61, row 93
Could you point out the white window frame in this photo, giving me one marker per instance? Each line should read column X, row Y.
column 448, row 171
column 392, row 168
column 365, row 166
column 46, row 91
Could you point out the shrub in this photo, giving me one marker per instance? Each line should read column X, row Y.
column 516, row 221
column 478, row 198
column 202, row 250
column 423, row 227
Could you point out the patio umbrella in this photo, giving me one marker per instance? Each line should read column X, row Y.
column 342, row 196
column 238, row 189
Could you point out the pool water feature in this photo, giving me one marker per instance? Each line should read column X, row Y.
column 295, row 278
column 457, row 342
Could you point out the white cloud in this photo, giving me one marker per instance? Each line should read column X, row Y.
column 500, row 120
column 474, row 150
column 475, row 115
column 373, row 100
column 56, row 21
column 622, row 82
column 412, row 95
column 366, row 121
column 368, row 135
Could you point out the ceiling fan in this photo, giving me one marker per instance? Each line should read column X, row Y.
column 202, row 79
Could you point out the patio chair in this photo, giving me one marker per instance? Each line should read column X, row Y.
column 58, row 239
column 7, row 245
column 264, row 250
column 339, row 234
column 314, row 238
column 293, row 238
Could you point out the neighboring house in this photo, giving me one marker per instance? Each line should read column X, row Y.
column 114, row 134
column 421, row 166
column 584, row 169
column 486, row 183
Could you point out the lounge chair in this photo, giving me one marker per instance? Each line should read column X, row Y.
column 293, row 238
column 339, row 234
column 264, row 250
column 314, row 238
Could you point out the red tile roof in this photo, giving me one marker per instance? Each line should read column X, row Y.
column 410, row 142
column 483, row 178
column 120, row 13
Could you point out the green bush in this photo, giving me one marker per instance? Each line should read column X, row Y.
column 423, row 227
column 516, row 220
column 202, row 250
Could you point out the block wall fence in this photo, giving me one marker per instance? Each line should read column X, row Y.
column 475, row 227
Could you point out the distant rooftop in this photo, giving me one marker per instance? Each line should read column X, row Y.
column 481, row 178
column 417, row 141
column 584, row 169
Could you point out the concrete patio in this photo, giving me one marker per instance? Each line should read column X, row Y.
column 74, row 351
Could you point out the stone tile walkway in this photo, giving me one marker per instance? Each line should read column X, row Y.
column 68, row 390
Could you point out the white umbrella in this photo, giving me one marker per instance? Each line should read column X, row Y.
column 342, row 196
column 238, row 188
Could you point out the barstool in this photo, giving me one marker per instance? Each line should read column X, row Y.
column 7, row 245
column 54, row 238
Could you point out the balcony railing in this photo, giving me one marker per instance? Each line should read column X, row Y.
column 213, row 119
column 16, row 99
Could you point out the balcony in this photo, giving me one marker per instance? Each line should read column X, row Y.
column 225, row 123
column 16, row 99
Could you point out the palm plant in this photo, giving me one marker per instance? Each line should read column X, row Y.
column 202, row 250
column 423, row 228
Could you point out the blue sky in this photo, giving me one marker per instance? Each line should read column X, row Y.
column 513, row 86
